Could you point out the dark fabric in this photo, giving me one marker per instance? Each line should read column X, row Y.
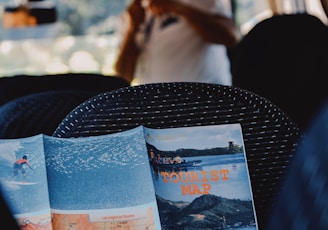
column 6, row 218
column 21, row 85
column 303, row 201
column 270, row 136
column 38, row 113
column 284, row 59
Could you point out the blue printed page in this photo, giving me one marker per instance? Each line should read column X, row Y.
column 201, row 177
column 23, row 181
column 101, row 182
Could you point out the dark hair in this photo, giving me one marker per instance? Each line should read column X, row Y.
column 25, row 157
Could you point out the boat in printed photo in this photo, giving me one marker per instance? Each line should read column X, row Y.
column 183, row 164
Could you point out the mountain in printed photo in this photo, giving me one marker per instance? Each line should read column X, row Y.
column 206, row 212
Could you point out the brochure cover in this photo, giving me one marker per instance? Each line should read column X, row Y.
column 201, row 177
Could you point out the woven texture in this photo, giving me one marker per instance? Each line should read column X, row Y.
column 270, row 136
column 303, row 202
column 38, row 113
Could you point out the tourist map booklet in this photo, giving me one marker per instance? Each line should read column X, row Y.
column 101, row 182
column 201, row 177
column 176, row 178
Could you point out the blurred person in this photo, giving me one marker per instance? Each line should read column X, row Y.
column 302, row 202
column 17, row 17
column 177, row 159
column 297, row 6
column 177, row 40
column 324, row 4
column 281, row 6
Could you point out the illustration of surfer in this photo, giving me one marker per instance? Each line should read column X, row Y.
column 19, row 167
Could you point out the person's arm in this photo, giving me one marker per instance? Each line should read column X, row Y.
column 28, row 164
column 324, row 4
column 213, row 28
column 275, row 7
column 127, row 58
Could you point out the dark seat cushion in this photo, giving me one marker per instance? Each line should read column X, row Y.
column 302, row 203
column 284, row 59
column 21, row 85
column 38, row 113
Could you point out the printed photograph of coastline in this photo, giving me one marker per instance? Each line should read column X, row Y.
column 201, row 177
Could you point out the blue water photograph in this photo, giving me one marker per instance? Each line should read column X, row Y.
column 23, row 175
column 102, row 172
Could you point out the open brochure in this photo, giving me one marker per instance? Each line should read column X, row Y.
column 178, row 178
column 101, row 182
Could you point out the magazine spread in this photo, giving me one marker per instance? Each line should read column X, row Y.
column 201, row 177
column 101, row 182
column 177, row 178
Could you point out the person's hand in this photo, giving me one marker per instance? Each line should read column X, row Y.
column 137, row 13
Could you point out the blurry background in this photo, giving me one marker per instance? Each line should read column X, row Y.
column 81, row 40
column 84, row 37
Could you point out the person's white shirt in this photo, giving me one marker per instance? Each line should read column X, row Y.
column 176, row 53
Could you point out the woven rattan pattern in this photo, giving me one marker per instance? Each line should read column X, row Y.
column 270, row 136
